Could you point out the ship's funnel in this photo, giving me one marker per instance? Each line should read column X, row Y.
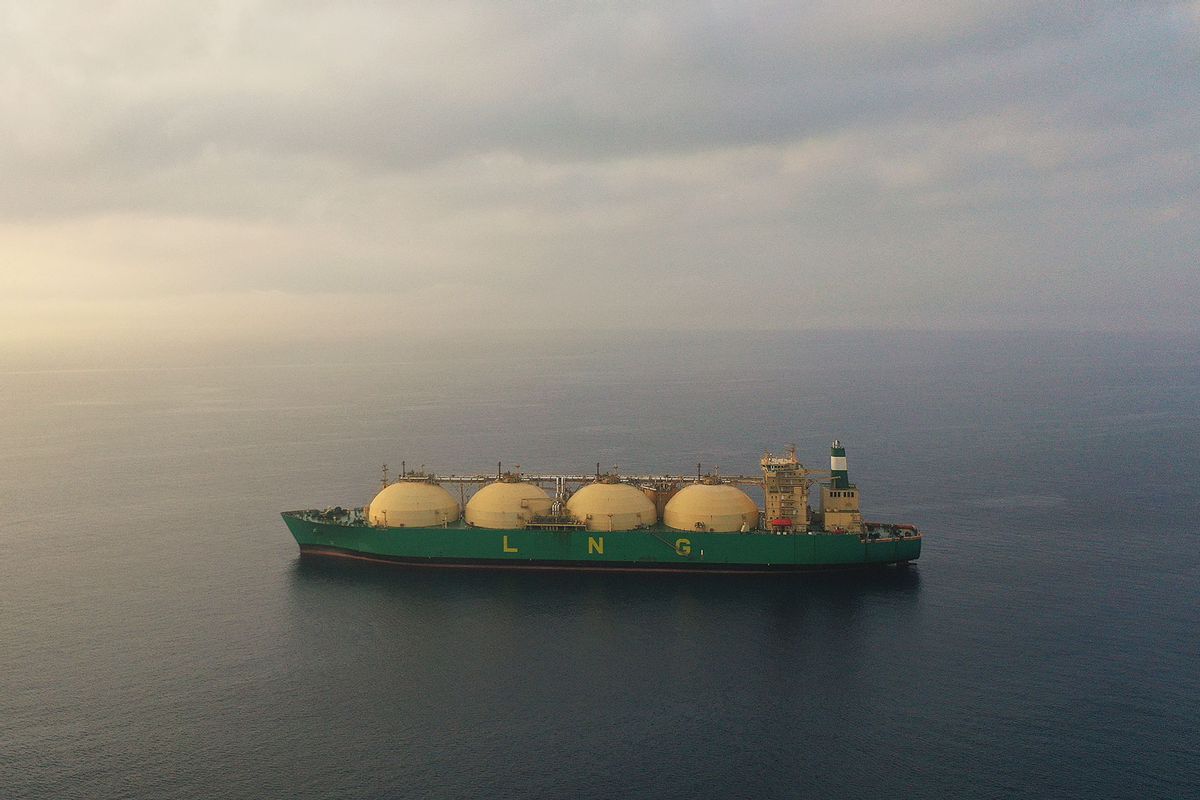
column 837, row 466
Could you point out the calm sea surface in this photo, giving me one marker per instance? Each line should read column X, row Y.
column 160, row 638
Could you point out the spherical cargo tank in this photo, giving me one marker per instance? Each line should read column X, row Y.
column 711, row 506
column 412, row 504
column 507, row 503
column 611, row 506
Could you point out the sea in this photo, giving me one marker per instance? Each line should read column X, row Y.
column 160, row 636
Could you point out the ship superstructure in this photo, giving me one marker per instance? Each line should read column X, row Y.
column 611, row 521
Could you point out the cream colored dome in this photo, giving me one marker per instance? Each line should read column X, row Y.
column 506, row 504
column 711, row 507
column 413, row 505
column 612, row 507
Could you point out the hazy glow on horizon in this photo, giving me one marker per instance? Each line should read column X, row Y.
column 242, row 169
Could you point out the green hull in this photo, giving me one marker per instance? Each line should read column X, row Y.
column 652, row 549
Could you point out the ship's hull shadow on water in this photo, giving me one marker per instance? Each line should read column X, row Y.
column 893, row 582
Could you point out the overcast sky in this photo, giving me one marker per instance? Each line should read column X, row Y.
column 242, row 169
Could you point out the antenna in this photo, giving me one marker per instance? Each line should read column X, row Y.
column 383, row 482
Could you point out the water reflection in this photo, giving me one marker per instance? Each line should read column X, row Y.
column 313, row 577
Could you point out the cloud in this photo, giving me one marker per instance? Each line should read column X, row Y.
column 398, row 86
column 944, row 164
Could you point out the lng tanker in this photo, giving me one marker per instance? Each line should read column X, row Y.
column 643, row 523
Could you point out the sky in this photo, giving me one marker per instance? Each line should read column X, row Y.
column 296, row 170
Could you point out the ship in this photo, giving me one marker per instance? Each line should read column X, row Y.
column 607, row 521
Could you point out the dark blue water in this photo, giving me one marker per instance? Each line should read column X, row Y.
column 159, row 637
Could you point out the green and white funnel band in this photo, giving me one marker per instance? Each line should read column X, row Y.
column 837, row 466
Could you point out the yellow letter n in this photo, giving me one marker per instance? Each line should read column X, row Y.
column 596, row 545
